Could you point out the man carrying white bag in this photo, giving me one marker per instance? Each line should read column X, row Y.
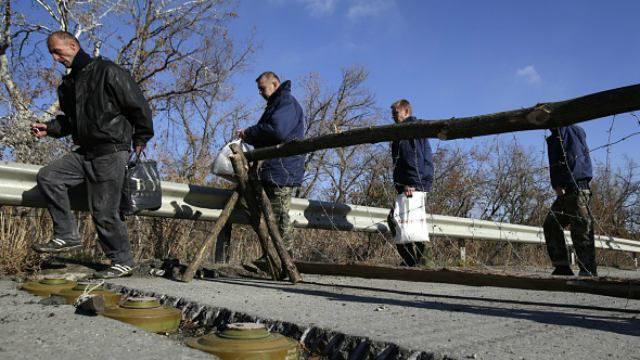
column 412, row 176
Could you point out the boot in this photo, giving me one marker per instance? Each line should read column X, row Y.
column 563, row 271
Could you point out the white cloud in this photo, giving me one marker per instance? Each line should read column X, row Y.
column 319, row 7
column 529, row 74
column 368, row 8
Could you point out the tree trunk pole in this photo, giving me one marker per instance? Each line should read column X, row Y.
column 285, row 258
column 540, row 116
column 239, row 166
column 217, row 227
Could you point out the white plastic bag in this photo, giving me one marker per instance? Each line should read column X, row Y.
column 410, row 217
column 222, row 164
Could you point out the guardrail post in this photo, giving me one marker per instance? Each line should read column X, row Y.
column 463, row 251
column 573, row 257
column 635, row 259
column 221, row 253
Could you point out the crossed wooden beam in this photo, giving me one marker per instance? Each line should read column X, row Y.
column 279, row 262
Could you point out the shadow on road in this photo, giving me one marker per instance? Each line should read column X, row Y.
column 614, row 324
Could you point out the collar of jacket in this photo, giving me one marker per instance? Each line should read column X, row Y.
column 285, row 87
column 410, row 119
column 87, row 67
column 81, row 60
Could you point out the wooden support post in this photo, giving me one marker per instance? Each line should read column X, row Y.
column 217, row 227
column 240, row 167
column 285, row 258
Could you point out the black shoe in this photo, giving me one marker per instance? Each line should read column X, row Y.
column 562, row 270
column 114, row 271
column 57, row 245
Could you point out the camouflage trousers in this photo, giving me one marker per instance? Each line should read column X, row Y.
column 280, row 198
column 571, row 209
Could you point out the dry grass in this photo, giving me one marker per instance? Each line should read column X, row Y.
column 19, row 228
column 171, row 238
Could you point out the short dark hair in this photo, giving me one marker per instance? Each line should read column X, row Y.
column 64, row 35
column 269, row 75
column 402, row 104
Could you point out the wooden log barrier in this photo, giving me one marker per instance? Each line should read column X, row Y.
column 267, row 210
column 616, row 287
column 260, row 210
column 540, row 116
column 257, row 220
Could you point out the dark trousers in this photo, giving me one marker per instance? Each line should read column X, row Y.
column 572, row 209
column 104, row 176
column 416, row 254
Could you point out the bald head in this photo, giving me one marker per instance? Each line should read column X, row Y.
column 268, row 83
column 62, row 35
column 63, row 47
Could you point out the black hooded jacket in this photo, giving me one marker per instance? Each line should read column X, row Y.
column 104, row 108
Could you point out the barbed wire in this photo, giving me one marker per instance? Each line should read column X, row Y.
column 439, row 254
column 610, row 143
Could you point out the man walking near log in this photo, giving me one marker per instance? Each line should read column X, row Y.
column 282, row 121
column 412, row 176
column 106, row 114
column 570, row 171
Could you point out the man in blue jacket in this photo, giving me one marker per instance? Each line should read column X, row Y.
column 281, row 122
column 570, row 170
column 412, row 171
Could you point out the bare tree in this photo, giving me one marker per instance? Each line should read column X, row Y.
column 616, row 200
column 515, row 187
column 335, row 173
column 179, row 52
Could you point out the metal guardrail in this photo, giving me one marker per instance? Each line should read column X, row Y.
column 18, row 188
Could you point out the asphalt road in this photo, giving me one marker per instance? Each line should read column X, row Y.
column 455, row 321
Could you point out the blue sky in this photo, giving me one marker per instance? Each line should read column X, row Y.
column 455, row 58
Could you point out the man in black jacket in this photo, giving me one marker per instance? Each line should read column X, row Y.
column 412, row 172
column 282, row 121
column 106, row 114
column 570, row 171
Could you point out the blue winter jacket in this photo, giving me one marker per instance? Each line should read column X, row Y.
column 281, row 122
column 412, row 163
column 569, row 160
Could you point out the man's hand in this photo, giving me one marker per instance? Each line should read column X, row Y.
column 139, row 149
column 408, row 190
column 39, row 130
column 560, row 191
column 240, row 134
